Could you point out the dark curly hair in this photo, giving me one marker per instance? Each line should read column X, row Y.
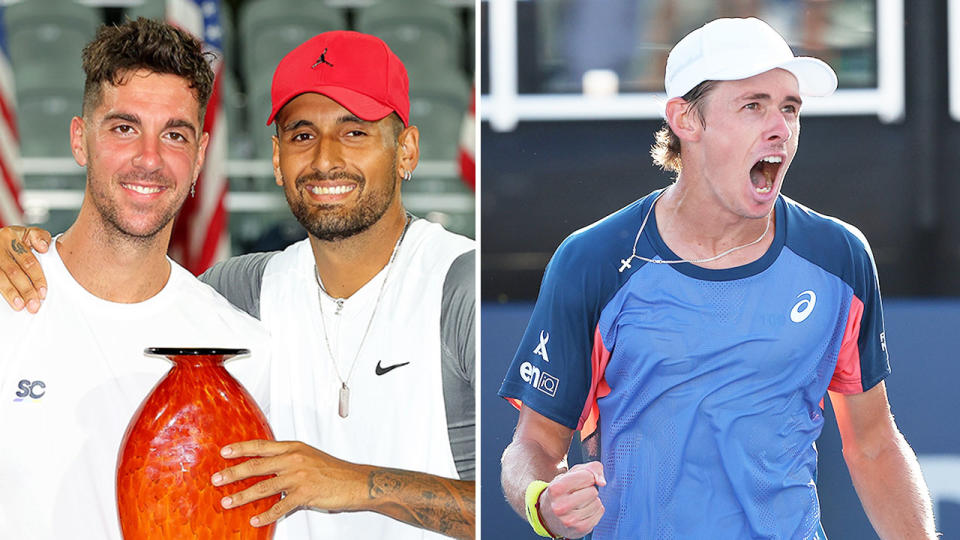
column 117, row 51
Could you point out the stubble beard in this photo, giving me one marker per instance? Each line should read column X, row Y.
column 115, row 225
column 331, row 222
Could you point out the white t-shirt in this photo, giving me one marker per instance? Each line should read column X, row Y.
column 397, row 416
column 71, row 378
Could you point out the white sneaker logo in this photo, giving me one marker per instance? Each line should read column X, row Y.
column 541, row 349
column 802, row 309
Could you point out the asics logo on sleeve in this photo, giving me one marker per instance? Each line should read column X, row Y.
column 802, row 309
column 541, row 349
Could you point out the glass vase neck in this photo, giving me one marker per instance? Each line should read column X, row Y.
column 196, row 357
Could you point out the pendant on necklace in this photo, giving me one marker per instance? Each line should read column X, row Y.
column 344, row 401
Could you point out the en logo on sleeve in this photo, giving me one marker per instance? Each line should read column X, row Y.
column 541, row 380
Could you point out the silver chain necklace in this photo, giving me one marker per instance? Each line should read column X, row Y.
column 343, row 407
column 625, row 263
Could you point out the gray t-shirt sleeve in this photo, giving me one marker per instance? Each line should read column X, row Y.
column 238, row 279
column 457, row 336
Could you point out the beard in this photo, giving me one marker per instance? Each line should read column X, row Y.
column 126, row 224
column 332, row 222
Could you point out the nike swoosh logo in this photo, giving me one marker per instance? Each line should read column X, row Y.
column 388, row 369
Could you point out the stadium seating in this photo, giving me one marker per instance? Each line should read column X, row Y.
column 438, row 101
column 45, row 38
column 272, row 28
column 43, row 115
column 425, row 35
column 156, row 9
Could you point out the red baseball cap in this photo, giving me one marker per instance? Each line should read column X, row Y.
column 356, row 70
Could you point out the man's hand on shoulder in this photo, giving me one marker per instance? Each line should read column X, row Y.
column 570, row 505
column 22, row 283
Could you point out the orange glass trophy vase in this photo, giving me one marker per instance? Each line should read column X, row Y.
column 172, row 447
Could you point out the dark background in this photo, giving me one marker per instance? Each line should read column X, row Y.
column 897, row 182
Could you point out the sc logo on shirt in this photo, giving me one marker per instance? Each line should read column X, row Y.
column 32, row 389
column 541, row 380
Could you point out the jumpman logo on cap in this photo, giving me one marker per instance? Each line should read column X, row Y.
column 321, row 60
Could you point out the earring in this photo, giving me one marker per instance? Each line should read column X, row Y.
column 193, row 186
column 407, row 176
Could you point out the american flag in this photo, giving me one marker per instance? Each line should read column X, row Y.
column 200, row 232
column 11, row 213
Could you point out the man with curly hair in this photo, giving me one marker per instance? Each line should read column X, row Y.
column 74, row 373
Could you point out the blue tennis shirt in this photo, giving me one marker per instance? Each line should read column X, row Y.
column 702, row 390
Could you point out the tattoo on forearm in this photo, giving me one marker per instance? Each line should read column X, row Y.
column 383, row 483
column 17, row 247
column 431, row 502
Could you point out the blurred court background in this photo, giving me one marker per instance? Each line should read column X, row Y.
column 42, row 82
column 571, row 96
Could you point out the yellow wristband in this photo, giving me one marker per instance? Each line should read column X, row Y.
column 531, row 498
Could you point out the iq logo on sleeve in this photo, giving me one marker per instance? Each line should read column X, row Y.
column 541, row 380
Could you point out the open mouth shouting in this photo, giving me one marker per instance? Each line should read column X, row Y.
column 763, row 174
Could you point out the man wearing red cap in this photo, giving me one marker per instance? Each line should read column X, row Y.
column 371, row 316
column 692, row 336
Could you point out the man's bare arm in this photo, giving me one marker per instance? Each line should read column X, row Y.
column 314, row 479
column 21, row 279
column 538, row 452
column 430, row 502
column 570, row 506
column 884, row 469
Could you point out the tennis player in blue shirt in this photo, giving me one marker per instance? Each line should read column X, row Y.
column 691, row 336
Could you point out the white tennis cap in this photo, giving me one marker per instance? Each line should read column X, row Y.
column 734, row 49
